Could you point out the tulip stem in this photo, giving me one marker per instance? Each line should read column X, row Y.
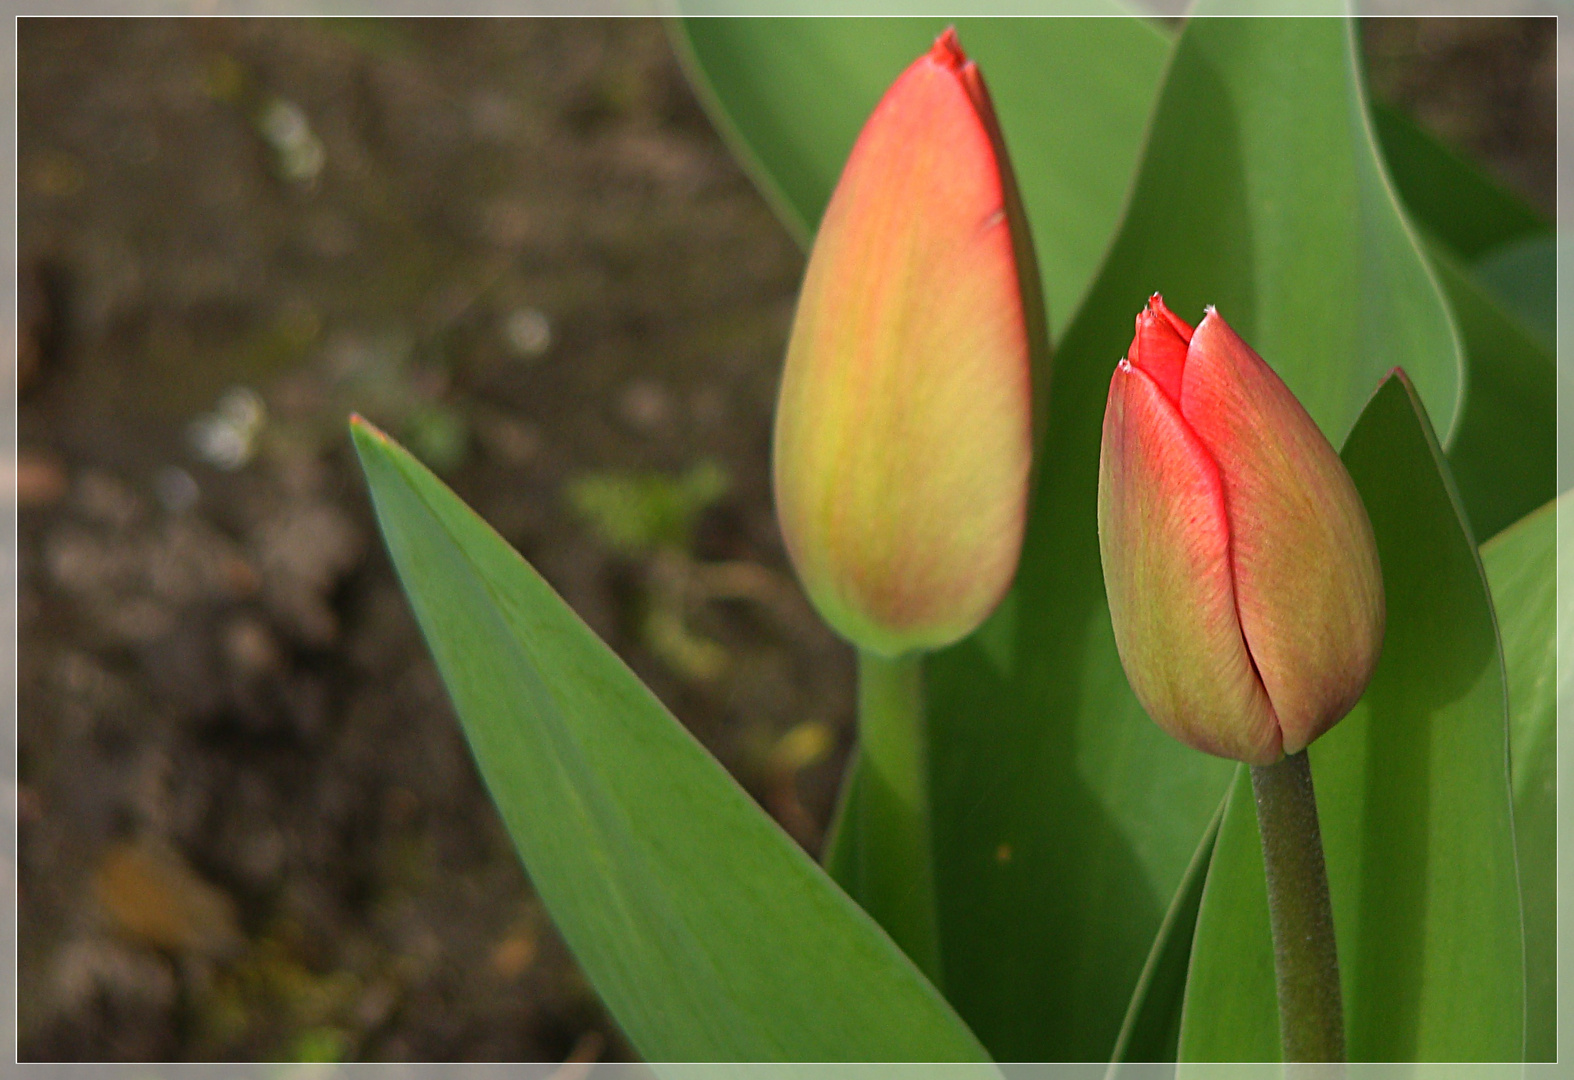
column 897, row 872
column 1305, row 957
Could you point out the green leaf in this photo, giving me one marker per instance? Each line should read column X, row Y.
column 1413, row 793
column 1495, row 257
column 1151, row 1031
column 1451, row 198
column 709, row 934
column 1507, row 244
column 1523, row 275
column 1504, row 454
column 1072, row 96
column 1277, row 211
column 1232, row 952
column 842, row 858
column 1064, row 818
column 1521, row 566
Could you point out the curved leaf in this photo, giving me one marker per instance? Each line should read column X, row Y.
column 1277, row 211
column 1450, row 197
column 1523, row 275
column 709, row 934
column 1413, row 793
column 1521, row 565
column 1504, row 455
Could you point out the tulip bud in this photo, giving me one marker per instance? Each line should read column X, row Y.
column 903, row 429
column 1242, row 575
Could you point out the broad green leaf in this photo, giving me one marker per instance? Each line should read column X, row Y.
column 1523, row 275
column 1151, row 1031
column 1072, row 96
column 1495, row 256
column 1448, row 196
column 1064, row 818
column 1277, row 211
column 1493, row 235
column 1521, row 566
column 1504, row 454
column 709, row 934
column 1413, row 793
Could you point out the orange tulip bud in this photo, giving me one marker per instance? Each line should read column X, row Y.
column 903, row 429
column 1240, row 566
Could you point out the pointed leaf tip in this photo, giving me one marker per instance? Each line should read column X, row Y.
column 361, row 427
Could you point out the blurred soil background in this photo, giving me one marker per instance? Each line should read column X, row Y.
column 249, row 825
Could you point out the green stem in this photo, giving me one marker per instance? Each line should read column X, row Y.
column 1305, row 958
column 894, row 837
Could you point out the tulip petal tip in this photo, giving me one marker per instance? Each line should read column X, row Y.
column 947, row 50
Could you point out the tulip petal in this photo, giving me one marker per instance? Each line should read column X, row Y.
column 1159, row 346
column 1165, row 542
column 904, row 427
column 1307, row 580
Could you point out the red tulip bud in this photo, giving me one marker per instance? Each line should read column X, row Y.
column 1242, row 575
column 903, row 430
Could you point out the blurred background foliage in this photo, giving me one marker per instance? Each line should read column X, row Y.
column 249, row 825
